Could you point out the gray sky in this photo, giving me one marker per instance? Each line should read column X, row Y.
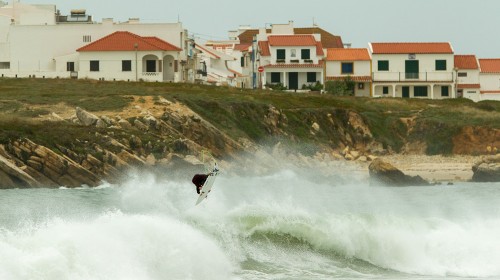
column 472, row 26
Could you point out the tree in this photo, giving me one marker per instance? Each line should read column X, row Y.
column 342, row 87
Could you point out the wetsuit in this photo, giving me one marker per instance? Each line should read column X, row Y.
column 198, row 180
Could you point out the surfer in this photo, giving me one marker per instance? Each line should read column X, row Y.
column 198, row 180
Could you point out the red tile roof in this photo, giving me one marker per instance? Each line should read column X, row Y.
column 468, row 86
column 409, row 48
column 327, row 39
column 291, row 40
column 347, row 54
column 354, row 78
column 242, row 47
column 319, row 49
column 466, row 62
column 491, row 65
column 126, row 41
column 490, row 92
column 264, row 48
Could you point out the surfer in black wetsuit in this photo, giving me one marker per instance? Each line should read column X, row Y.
column 198, row 180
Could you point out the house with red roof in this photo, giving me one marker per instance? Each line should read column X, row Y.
column 123, row 55
column 467, row 77
column 489, row 77
column 57, row 36
column 353, row 64
column 413, row 70
column 292, row 60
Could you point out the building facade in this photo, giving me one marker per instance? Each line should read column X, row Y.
column 490, row 79
column 467, row 77
column 57, row 37
column 413, row 70
column 353, row 64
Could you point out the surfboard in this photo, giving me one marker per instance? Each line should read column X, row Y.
column 208, row 184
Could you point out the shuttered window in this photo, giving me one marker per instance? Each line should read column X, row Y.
column 440, row 65
column 280, row 54
column 347, row 68
column 126, row 65
column 94, row 65
column 275, row 77
column 311, row 77
column 445, row 91
column 305, row 53
column 420, row 91
column 383, row 65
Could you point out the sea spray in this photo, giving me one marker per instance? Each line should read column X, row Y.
column 280, row 224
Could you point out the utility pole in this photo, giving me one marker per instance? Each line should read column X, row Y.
column 254, row 82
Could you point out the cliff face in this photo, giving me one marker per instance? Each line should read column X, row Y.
column 73, row 147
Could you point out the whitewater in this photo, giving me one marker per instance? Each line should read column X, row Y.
column 279, row 225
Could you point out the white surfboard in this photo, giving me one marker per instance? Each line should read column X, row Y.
column 208, row 184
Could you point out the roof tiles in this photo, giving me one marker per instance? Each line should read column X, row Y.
column 466, row 62
column 490, row 65
column 127, row 41
column 291, row 40
column 411, row 48
column 347, row 54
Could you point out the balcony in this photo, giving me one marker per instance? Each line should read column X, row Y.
column 413, row 77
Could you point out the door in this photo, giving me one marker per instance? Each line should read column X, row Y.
column 406, row 92
column 411, row 69
column 293, row 80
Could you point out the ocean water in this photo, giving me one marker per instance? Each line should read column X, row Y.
column 282, row 225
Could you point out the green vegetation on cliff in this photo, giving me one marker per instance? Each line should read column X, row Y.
column 261, row 116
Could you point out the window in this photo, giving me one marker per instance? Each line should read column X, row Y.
column 440, row 65
column 305, row 53
column 420, row 91
column 445, row 91
column 347, row 68
column 280, row 54
column 94, row 65
column 126, row 65
column 4, row 65
column 87, row 38
column 242, row 61
column 383, row 65
column 150, row 66
column 70, row 66
column 293, row 53
column 311, row 77
column 462, row 74
column 275, row 77
column 385, row 90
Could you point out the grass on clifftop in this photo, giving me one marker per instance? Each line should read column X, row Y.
column 240, row 112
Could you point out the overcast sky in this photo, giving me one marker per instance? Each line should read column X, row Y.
column 472, row 26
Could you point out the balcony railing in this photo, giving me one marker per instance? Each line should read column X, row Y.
column 413, row 77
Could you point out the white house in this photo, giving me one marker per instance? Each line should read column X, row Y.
column 352, row 63
column 467, row 77
column 226, row 61
column 295, row 61
column 57, row 36
column 490, row 78
column 126, row 56
column 413, row 70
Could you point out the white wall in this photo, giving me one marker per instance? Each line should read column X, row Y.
column 472, row 76
column 427, row 63
column 364, row 92
column 361, row 68
column 62, row 39
column 110, row 65
column 298, row 53
column 472, row 94
column 490, row 81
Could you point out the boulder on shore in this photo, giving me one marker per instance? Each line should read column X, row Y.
column 487, row 170
column 385, row 173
